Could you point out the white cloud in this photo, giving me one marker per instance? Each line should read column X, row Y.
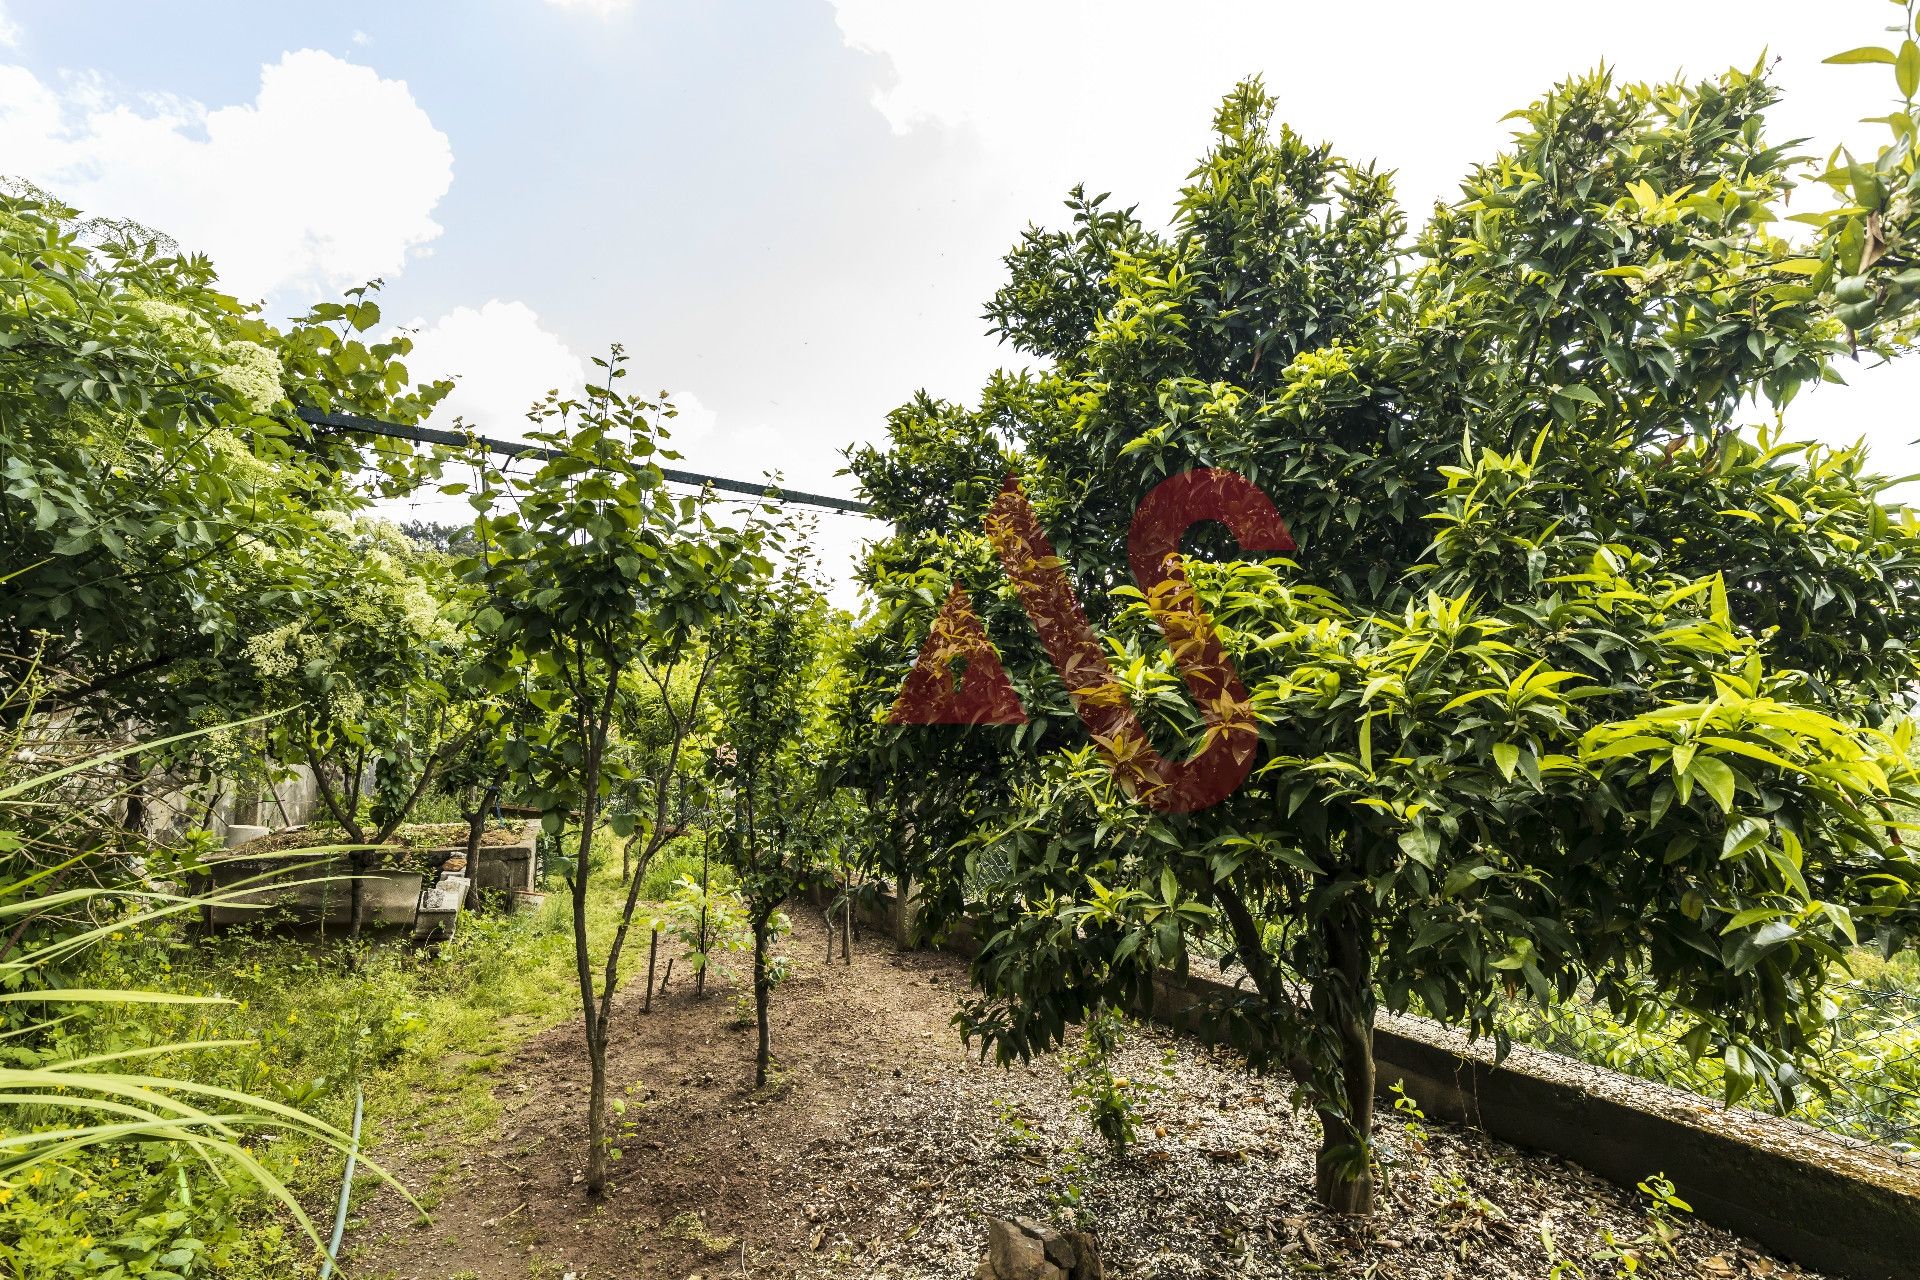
column 500, row 359
column 1119, row 92
column 1026, row 97
column 1880, row 404
column 9, row 30
column 328, row 178
column 599, row 8
column 362, row 38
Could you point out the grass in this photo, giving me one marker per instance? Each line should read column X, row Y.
column 421, row 1032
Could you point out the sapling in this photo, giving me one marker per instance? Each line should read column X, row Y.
column 771, row 715
column 593, row 574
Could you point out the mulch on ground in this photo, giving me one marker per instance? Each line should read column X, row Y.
column 883, row 1146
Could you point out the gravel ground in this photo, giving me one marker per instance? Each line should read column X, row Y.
column 883, row 1148
column 1219, row 1185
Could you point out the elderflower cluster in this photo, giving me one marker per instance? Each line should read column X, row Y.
column 247, row 369
column 279, row 651
column 252, row 373
column 174, row 322
column 346, row 704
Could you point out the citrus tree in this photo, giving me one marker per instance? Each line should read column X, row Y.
column 592, row 571
column 1569, row 682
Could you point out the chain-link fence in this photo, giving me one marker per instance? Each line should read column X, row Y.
column 1863, row 1081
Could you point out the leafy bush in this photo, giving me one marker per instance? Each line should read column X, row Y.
column 1112, row 1103
column 709, row 922
column 1862, row 1078
column 681, row 860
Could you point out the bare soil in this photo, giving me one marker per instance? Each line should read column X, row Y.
column 883, row 1146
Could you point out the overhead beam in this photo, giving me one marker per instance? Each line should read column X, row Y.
column 521, row 449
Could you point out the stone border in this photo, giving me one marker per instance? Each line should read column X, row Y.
column 1830, row 1203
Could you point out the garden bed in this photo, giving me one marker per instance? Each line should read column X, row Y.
column 423, row 837
column 314, row 892
column 884, row 1146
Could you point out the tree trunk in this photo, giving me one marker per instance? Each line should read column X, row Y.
column 597, row 1113
column 596, row 1174
column 595, row 1024
column 357, row 894
column 653, row 949
column 846, row 936
column 700, row 972
column 762, row 990
column 477, row 824
column 1343, row 1171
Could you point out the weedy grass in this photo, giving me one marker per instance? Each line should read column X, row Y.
column 421, row 1031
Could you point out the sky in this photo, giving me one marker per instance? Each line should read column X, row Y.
column 791, row 212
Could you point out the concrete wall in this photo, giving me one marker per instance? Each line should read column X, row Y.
column 175, row 807
column 1826, row 1202
column 321, row 894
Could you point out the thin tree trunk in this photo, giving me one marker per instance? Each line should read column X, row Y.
column 477, row 823
column 653, row 949
column 700, row 971
column 762, row 991
column 357, row 894
column 595, row 1024
column 596, row 1173
column 846, row 933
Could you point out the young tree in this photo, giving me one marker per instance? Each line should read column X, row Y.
column 1569, row 684
column 659, row 709
column 593, row 572
column 369, row 669
column 772, row 716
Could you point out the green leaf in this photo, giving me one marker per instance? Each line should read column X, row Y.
column 1505, row 756
column 1866, row 53
column 1716, row 777
column 1422, row 844
column 1752, row 915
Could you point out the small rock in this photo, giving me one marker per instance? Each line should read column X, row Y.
column 1013, row 1254
column 1086, row 1256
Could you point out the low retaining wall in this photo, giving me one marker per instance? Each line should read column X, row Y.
column 508, row 868
column 319, row 893
column 1826, row 1202
column 313, row 894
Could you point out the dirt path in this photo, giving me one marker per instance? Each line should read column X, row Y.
column 883, row 1145
column 699, row 1140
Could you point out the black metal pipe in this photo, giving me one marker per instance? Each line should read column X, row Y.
column 519, row 449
